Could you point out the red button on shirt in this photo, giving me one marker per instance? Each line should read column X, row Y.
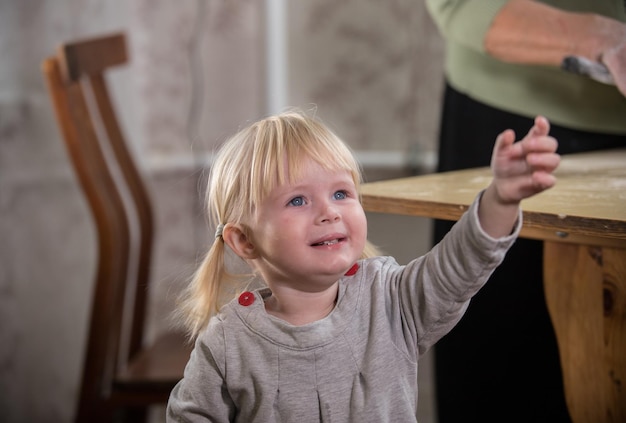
column 352, row 270
column 246, row 299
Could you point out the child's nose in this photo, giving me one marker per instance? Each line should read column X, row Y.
column 329, row 213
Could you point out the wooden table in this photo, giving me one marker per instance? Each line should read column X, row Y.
column 582, row 221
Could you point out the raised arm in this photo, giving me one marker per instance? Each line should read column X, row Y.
column 521, row 170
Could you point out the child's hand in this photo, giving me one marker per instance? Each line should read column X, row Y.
column 523, row 169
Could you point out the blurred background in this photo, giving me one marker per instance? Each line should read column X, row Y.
column 199, row 70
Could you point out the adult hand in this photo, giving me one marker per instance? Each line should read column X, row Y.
column 615, row 60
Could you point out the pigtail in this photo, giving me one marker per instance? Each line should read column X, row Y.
column 201, row 298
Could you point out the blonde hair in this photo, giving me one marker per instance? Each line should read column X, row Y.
column 245, row 171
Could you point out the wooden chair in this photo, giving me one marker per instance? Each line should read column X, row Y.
column 122, row 375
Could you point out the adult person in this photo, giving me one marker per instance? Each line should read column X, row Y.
column 502, row 67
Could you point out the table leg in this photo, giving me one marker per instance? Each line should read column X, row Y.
column 586, row 295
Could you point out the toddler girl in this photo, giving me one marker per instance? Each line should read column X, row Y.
column 336, row 334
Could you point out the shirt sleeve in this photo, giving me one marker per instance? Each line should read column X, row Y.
column 465, row 22
column 202, row 396
column 431, row 293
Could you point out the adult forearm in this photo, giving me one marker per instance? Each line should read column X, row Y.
column 525, row 31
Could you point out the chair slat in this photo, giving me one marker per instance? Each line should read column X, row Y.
column 113, row 235
column 90, row 57
column 140, row 202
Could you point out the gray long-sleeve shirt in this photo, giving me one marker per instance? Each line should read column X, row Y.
column 359, row 364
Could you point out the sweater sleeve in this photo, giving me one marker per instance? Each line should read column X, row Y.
column 430, row 294
column 202, row 396
column 464, row 21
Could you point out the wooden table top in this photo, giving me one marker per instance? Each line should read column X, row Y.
column 586, row 206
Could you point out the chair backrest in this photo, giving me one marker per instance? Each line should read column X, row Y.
column 117, row 197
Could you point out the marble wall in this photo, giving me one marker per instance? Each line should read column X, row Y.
column 197, row 73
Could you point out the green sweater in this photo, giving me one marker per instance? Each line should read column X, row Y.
column 358, row 364
column 567, row 100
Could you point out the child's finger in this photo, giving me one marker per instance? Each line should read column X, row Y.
column 546, row 161
column 543, row 180
column 504, row 140
column 537, row 145
column 541, row 127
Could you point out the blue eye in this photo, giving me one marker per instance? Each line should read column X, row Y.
column 296, row 202
column 340, row 195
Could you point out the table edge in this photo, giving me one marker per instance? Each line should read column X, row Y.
column 543, row 226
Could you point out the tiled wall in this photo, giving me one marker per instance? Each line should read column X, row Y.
column 197, row 73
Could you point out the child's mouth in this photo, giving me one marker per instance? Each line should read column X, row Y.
column 329, row 242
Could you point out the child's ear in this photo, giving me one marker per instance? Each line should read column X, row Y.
column 235, row 237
